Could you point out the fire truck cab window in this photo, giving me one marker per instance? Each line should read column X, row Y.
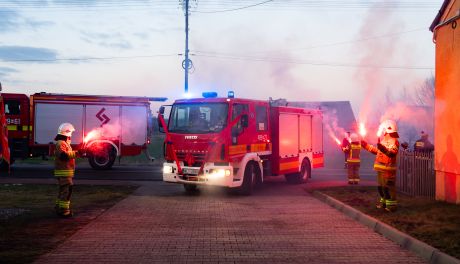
column 238, row 109
column 261, row 118
column 198, row 117
column 12, row 107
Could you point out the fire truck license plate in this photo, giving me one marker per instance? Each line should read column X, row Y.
column 190, row 171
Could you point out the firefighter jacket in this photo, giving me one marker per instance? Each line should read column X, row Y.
column 353, row 150
column 423, row 145
column 386, row 151
column 346, row 144
column 64, row 162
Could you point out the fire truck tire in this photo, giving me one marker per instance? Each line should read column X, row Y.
column 250, row 180
column 103, row 160
column 302, row 176
column 190, row 188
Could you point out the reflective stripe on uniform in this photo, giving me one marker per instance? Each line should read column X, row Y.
column 384, row 167
column 72, row 154
column 391, row 202
column 354, row 160
column 63, row 204
column 64, row 173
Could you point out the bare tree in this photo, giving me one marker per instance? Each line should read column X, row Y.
column 424, row 94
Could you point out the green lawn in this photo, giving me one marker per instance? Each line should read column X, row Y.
column 37, row 229
column 436, row 223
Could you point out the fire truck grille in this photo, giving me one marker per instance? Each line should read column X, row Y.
column 197, row 160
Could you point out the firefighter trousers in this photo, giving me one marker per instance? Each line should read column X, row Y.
column 65, row 192
column 387, row 189
column 353, row 172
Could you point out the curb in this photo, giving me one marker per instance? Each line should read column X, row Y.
column 421, row 249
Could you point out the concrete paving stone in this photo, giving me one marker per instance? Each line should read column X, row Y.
column 278, row 224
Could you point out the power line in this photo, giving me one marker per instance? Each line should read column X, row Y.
column 89, row 58
column 321, row 45
column 329, row 64
column 235, row 9
column 227, row 5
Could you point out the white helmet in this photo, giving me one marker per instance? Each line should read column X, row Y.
column 389, row 127
column 354, row 137
column 66, row 129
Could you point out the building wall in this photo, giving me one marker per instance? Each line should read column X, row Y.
column 447, row 107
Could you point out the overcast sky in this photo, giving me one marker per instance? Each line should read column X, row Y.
column 301, row 50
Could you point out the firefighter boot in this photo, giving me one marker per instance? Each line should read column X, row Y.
column 381, row 204
column 391, row 205
column 64, row 209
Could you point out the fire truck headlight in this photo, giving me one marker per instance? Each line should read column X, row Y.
column 167, row 169
column 218, row 173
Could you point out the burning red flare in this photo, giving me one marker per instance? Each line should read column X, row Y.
column 380, row 131
column 336, row 140
column 92, row 135
column 362, row 129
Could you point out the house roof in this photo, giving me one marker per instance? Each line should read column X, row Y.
column 340, row 109
column 439, row 15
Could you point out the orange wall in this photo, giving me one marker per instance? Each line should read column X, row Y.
column 447, row 108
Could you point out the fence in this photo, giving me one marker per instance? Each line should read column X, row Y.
column 416, row 176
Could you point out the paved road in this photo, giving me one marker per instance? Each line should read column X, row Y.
column 141, row 172
column 280, row 223
column 152, row 172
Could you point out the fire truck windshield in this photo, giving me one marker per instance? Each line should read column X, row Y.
column 198, row 118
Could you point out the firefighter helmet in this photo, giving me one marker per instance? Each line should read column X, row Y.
column 66, row 129
column 390, row 127
column 354, row 137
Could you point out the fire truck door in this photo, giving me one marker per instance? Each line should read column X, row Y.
column 238, row 129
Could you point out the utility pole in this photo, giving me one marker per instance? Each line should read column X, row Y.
column 186, row 63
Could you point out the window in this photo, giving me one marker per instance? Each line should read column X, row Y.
column 12, row 107
column 238, row 109
column 261, row 118
column 198, row 118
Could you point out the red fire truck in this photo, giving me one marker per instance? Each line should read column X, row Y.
column 121, row 123
column 237, row 143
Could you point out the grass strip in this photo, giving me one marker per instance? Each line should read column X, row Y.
column 37, row 230
column 433, row 222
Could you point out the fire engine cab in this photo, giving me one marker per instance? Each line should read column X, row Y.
column 237, row 143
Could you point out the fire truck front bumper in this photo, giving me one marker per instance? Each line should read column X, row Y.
column 212, row 175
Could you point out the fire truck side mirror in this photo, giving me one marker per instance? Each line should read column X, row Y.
column 160, row 126
column 161, row 112
column 244, row 121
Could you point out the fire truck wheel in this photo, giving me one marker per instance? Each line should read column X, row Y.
column 103, row 159
column 190, row 188
column 251, row 177
column 302, row 176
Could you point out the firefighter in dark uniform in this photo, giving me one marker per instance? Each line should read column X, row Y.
column 353, row 158
column 423, row 144
column 64, row 168
column 346, row 145
column 385, row 164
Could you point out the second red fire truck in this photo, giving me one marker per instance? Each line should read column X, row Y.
column 237, row 143
column 107, row 126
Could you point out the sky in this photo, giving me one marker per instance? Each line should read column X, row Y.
column 330, row 50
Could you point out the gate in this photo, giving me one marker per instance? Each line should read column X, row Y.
column 416, row 176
